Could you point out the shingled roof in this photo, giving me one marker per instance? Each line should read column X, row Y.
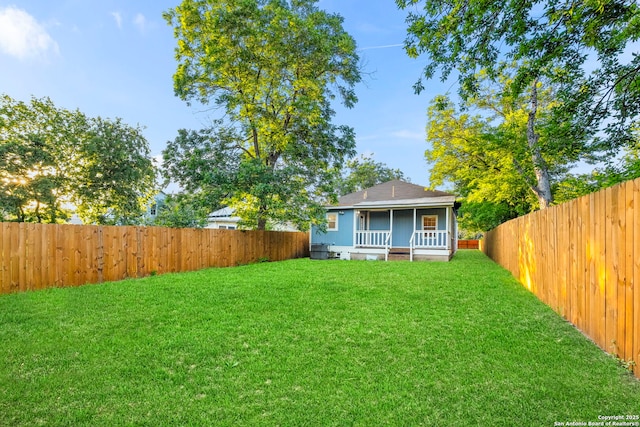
column 396, row 193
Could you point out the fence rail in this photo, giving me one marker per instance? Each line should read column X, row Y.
column 38, row 256
column 582, row 258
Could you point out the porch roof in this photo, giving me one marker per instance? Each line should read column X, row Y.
column 396, row 194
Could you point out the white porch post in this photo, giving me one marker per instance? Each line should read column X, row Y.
column 415, row 221
column 448, row 215
column 391, row 225
column 412, row 240
column 356, row 215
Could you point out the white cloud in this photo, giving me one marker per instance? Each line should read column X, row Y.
column 118, row 18
column 386, row 46
column 408, row 134
column 141, row 22
column 22, row 36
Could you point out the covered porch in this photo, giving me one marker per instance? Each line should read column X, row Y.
column 423, row 232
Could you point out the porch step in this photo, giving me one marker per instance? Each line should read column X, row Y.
column 399, row 251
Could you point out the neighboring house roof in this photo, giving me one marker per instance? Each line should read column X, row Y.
column 223, row 213
column 395, row 193
column 226, row 216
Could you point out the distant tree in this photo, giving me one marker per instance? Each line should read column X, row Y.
column 27, row 182
column 474, row 218
column 181, row 211
column 116, row 180
column 624, row 168
column 273, row 67
column 52, row 158
column 364, row 172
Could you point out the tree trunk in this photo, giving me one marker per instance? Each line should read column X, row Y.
column 262, row 217
column 542, row 189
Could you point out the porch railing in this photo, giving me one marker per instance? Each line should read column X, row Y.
column 436, row 239
column 428, row 240
column 387, row 246
column 372, row 238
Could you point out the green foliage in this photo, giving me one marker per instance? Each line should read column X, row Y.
column 487, row 155
column 27, row 182
column 117, row 178
column 475, row 218
column 622, row 169
column 273, row 67
column 51, row 158
column 550, row 40
column 181, row 211
column 364, row 172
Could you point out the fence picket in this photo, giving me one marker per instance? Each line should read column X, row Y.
column 582, row 258
column 635, row 331
column 35, row 256
column 629, row 260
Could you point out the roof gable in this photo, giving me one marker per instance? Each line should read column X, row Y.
column 395, row 192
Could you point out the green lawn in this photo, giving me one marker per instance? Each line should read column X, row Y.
column 304, row 342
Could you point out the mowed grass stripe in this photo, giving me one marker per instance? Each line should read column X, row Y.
column 303, row 342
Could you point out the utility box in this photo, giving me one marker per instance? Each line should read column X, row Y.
column 319, row 251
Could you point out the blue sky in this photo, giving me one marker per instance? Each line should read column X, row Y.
column 115, row 58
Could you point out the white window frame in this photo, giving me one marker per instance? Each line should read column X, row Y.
column 329, row 228
column 429, row 229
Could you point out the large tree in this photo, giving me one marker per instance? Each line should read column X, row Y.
column 580, row 47
column 482, row 148
column 272, row 68
column 52, row 159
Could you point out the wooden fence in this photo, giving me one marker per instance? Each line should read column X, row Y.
column 468, row 244
column 38, row 256
column 582, row 258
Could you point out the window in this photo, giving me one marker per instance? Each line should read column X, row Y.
column 429, row 223
column 153, row 210
column 332, row 221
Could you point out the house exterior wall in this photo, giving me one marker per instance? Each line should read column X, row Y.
column 342, row 237
column 379, row 220
column 402, row 228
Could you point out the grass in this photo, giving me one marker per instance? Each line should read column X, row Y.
column 304, row 342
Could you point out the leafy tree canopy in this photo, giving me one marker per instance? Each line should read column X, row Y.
column 580, row 45
column 621, row 169
column 181, row 211
column 272, row 67
column 484, row 150
column 51, row 158
column 364, row 172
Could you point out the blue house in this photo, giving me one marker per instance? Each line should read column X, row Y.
column 393, row 220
